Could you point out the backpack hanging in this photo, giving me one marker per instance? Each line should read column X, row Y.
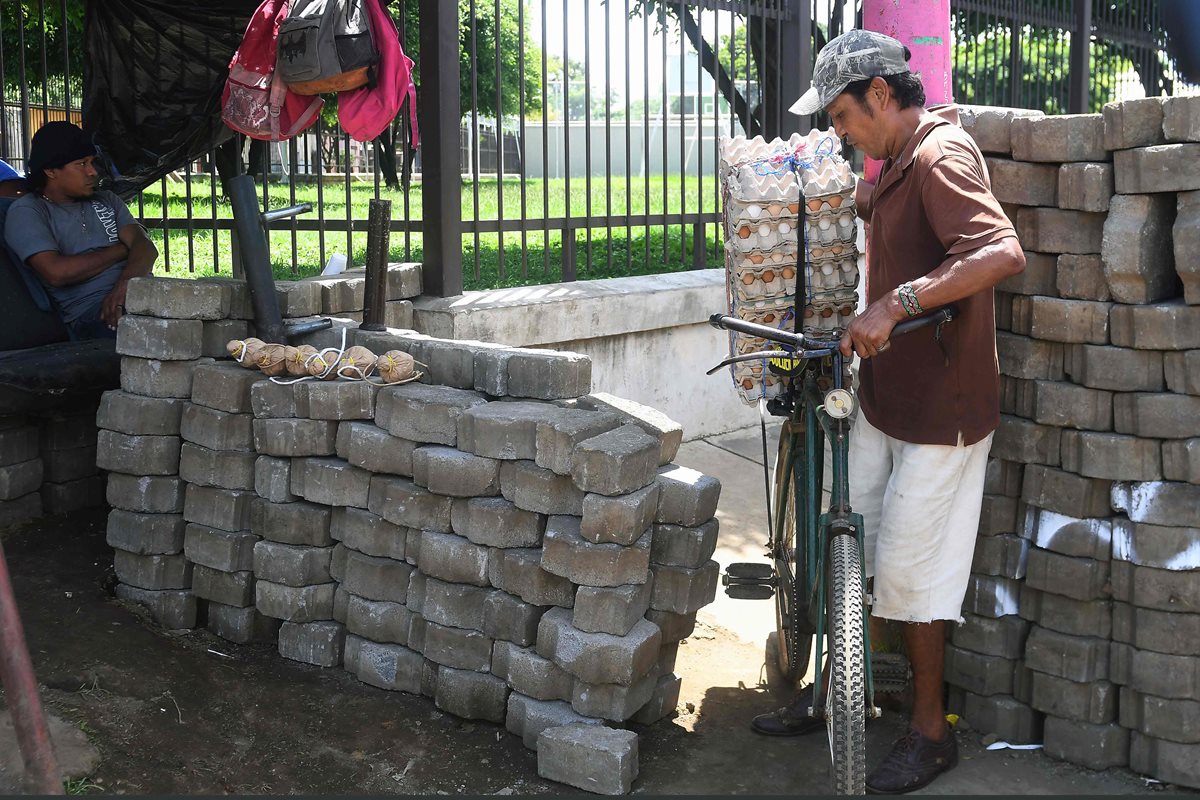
column 327, row 46
column 367, row 111
column 255, row 101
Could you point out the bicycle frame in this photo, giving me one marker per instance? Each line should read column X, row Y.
column 806, row 466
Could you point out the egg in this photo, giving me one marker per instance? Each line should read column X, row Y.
column 754, row 212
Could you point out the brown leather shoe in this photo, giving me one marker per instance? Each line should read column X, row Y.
column 913, row 763
column 791, row 720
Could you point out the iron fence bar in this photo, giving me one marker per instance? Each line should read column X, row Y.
column 646, row 132
column 567, row 271
column 65, row 29
column 25, row 132
column 406, row 140
column 716, row 40
column 45, row 65
column 187, row 176
column 523, row 150
column 500, row 139
column 473, row 19
column 587, row 127
column 682, row 136
column 628, row 143
column 349, row 195
column 662, row 21
column 293, row 166
column 5, row 134
column 699, row 253
column 545, row 151
column 321, row 186
column 608, row 128
column 212, row 199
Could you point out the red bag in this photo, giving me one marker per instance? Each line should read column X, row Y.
column 366, row 112
column 255, row 102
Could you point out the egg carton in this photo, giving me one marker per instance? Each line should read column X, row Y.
column 756, row 277
column 833, row 252
column 736, row 151
column 768, row 181
column 816, row 206
column 827, row 175
column 755, row 212
column 753, row 381
column 831, row 229
column 833, row 273
column 764, row 237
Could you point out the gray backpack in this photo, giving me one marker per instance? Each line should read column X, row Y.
column 326, row 46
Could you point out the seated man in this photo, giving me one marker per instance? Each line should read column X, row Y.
column 82, row 244
column 12, row 183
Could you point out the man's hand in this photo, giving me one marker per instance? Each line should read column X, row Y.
column 868, row 334
column 113, row 306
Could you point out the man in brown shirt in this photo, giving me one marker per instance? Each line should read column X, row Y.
column 918, row 449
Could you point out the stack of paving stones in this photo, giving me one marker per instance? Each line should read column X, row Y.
column 1082, row 618
column 495, row 537
column 48, row 463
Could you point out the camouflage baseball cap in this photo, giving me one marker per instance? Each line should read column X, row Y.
column 854, row 56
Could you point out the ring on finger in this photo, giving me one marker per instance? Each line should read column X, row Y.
column 883, row 347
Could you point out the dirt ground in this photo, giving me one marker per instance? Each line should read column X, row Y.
column 189, row 713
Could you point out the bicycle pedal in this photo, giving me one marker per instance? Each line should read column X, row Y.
column 750, row 591
column 750, row 570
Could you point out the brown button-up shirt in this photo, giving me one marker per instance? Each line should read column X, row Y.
column 934, row 202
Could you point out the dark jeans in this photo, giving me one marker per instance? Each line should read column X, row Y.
column 90, row 326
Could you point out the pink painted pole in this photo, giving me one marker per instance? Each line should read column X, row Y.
column 923, row 25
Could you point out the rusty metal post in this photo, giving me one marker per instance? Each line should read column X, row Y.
column 21, row 691
column 379, row 221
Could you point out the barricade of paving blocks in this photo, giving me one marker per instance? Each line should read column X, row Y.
column 70, row 478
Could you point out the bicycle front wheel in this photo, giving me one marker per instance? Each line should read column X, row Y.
column 845, row 708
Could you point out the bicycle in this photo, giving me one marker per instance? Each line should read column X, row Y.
column 816, row 558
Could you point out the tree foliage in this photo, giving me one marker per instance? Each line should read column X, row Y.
column 35, row 33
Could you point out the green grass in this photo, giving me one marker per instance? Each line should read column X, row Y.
column 81, row 786
column 636, row 251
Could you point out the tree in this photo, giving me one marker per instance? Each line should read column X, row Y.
column 62, row 48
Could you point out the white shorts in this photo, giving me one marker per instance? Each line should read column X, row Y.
column 920, row 505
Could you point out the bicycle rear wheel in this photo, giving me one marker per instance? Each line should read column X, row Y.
column 793, row 627
column 845, row 707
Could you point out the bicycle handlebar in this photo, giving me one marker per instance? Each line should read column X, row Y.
column 796, row 340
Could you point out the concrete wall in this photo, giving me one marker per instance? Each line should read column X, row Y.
column 647, row 337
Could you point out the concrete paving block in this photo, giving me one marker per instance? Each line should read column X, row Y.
column 340, row 400
column 1003, row 637
column 1023, row 183
column 1181, row 460
column 990, row 596
column 219, row 430
column 495, row 522
column 1158, row 546
column 423, row 413
column 529, row 674
column 241, row 625
column 451, row 472
column 569, row 555
column 1081, row 277
column 177, row 298
column 387, row 666
column 455, row 605
column 401, row 502
column 378, row 620
column 133, row 414
column 1023, row 440
column 600, row 760
column 450, row 363
column 667, row 658
column 21, row 510
column 675, row 627
column 508, row 617
column 318, row 643
column 403, row 281
column 172, row 609
column 1058, row 320
column 1158, row 674
column 620, row 519
column 686, row 497
column 1181, row 119
column 20, row 478
column 1064, row 137
column 518, row 571
column 1186, row 238
column 619, row 461
column 1077, row 578
column 990, row 126
column 1159, row 717
column 273, row 479
column 1085, row 187
column 137, row 455
column 999, row 514
column 58, row 430
column 1067, row 615
column 1133, row 123
column 1158, row 415
column 667, row 431
column 505, row 430
column 1160, row 631
column 295, row 604
column 160, row 339
column 1026, row 358
column 151, row 377
column 684, row 591
column 533, row 488
column 1170, row 762
column 1094, row 701
column 490, row 369
column 19, row 444
column 1114, row 368
column 613, row 701
column 227, row 509
column 453, row 558
column 612, row 610
column 290, row 564
column 295, row 437
column 663, row 700
column 1004, row 555
column 154, row 571
column 60, row 466
column 222, row 469
column 291, row 523
column 1016, row 397
column 1139, row 262
column 298, row 298
column 341, row 293
column 548, row 374
column 1159, row 168
column 471, row 695
column 1006, row 717
column 1169, row 325
column 598, row 657
column 229, row 551
column 528, row 716
column 333, row 482
column 1002, row 310
column 217, row 334
column 74, row 495
column 374, row 449
column 224, row 386
column 1056, row 230
column 1082, row 659
column 1066, row 405
column 145, row 534
column 341, row 604
column 1111, row 455
column 376, row 578
column 1163, row 589
column 1086, row 744
column 1069, row 536
column 1158, row 502
column 271, row 400
column 228, row 588
column 977, row 673
column 1038, row 277
column 398, row 314
column 558, row 435
column 367, row 533
column 150, row 494
column 458, row 648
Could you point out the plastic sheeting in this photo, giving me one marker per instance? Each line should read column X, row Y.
column 153, row 78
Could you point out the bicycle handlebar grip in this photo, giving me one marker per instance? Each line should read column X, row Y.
column 944, row 314
column 753, row 329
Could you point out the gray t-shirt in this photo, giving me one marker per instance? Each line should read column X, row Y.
column 36, row 224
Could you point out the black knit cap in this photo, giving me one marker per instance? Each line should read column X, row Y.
column 54, row 145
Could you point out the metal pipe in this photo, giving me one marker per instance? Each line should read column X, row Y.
column 295, row 329
column 379, row 219
column 283, row 213
column 21, row 691
column 256, row 259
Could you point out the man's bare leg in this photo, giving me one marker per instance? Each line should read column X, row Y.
column 926, row 646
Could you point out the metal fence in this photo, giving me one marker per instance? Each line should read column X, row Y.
column 569, row 139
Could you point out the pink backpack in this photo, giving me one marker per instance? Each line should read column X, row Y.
column 255, row 102
column 366, row 112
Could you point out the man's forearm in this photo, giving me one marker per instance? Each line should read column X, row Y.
column 963, row 275
column 142, row 256
column 60, row 270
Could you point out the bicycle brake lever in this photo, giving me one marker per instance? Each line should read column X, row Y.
column 750, row 357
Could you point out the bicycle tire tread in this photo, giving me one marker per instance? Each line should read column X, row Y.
column 846, row 705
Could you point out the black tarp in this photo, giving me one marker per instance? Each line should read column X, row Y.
column 153, row 77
